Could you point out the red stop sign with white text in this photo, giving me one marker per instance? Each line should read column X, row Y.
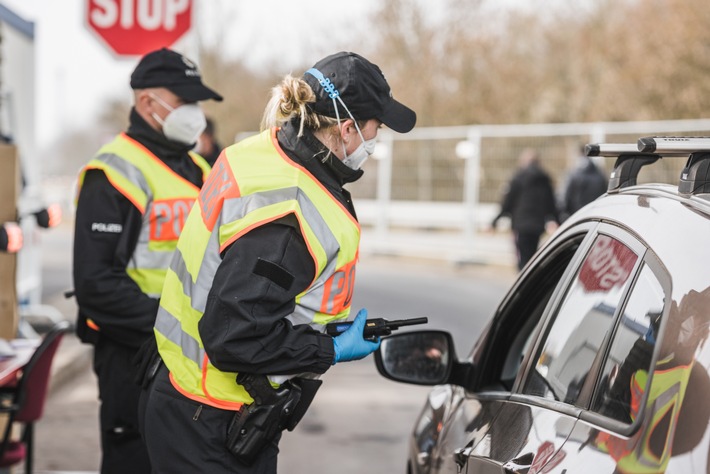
column 608, row 264
column 137, row 27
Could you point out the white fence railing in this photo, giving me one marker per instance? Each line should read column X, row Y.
column 453, row 177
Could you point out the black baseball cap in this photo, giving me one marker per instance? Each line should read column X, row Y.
column 362, row 87
column 169, row 69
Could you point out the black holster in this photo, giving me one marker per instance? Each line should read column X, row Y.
column 273, row 411
column 147, row 361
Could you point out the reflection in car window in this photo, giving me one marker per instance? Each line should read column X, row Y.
column 631, row 351
column 583, row 321
column 520, row 315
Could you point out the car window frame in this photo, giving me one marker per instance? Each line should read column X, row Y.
column 590, row 416
column 645, row 257
column 484, row 350
column 636, row 246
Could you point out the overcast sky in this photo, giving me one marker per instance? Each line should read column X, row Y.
column 76, row 73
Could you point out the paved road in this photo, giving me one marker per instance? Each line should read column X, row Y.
column 361, row 418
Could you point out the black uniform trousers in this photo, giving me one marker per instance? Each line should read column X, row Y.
column 121, row 443
column 184, row 436
column 526, row 244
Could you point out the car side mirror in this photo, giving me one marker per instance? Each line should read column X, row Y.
column 417, row 357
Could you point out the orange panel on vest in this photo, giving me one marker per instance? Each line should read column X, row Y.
column 168, row 217
column 338, row 290
column 220, row 185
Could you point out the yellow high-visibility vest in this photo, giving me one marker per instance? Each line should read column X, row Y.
column 666, row 393
column 161, row 195
column 253, row 183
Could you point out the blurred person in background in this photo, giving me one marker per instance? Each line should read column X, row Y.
column 11, row 238
column 530, row 204
column 11, row 235
column 264, row 263
column 133, row 199
column 207, row 145
column 585, row 183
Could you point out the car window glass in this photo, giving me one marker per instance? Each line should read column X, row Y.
column 622, row 381
column 584, row 319
column 520, row 314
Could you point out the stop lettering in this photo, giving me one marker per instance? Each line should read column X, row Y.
column 136, row 27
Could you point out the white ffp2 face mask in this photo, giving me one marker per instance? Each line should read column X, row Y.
column 184, row 124
column 359, row 156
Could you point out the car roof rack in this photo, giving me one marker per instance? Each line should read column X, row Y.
column 630, row 158
column 695, row 176
column 629, row 161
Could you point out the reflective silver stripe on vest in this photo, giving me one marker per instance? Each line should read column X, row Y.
column 197, row 292
column 235, row 209
column 170, row 327
column 167, row 323
column 152, row 260
column 132, row 173
column 142, row 257
column 240, row 207
column 662, row 399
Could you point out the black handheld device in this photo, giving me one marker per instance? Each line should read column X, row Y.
column 374, row 327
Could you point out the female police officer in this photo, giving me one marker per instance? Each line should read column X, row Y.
column 266, row 259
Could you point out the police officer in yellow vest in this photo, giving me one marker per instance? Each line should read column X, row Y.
column 266, row 259
column 650, row 449
column 133, row 199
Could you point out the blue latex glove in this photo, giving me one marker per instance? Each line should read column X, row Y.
column 351, row 345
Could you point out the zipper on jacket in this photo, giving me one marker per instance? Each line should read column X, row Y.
column 197, row 413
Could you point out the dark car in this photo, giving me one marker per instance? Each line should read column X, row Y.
column 596, row 360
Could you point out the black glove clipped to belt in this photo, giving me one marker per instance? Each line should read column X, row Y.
column 49, row 216
column 10, row 237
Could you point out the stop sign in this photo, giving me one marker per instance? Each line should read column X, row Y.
column 136, row 27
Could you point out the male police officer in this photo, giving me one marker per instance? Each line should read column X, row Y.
column 133, row 199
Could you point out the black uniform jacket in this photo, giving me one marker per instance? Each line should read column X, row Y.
column 529, row 201
column 254, row 289
column 586, row 183
column 104, row 291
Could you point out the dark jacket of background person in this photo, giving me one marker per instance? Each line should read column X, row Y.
column 529, row 201
column 530, row 204
column 584, row 185
column 208, row 146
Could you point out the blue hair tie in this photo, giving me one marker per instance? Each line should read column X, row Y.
column 325, row 82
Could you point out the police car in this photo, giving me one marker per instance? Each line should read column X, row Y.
column 596, row 360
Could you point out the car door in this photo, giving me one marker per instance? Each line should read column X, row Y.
column 476, row 406
column 607, row 438
column 648, row 409
column 562, row 354
column 499, row 353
